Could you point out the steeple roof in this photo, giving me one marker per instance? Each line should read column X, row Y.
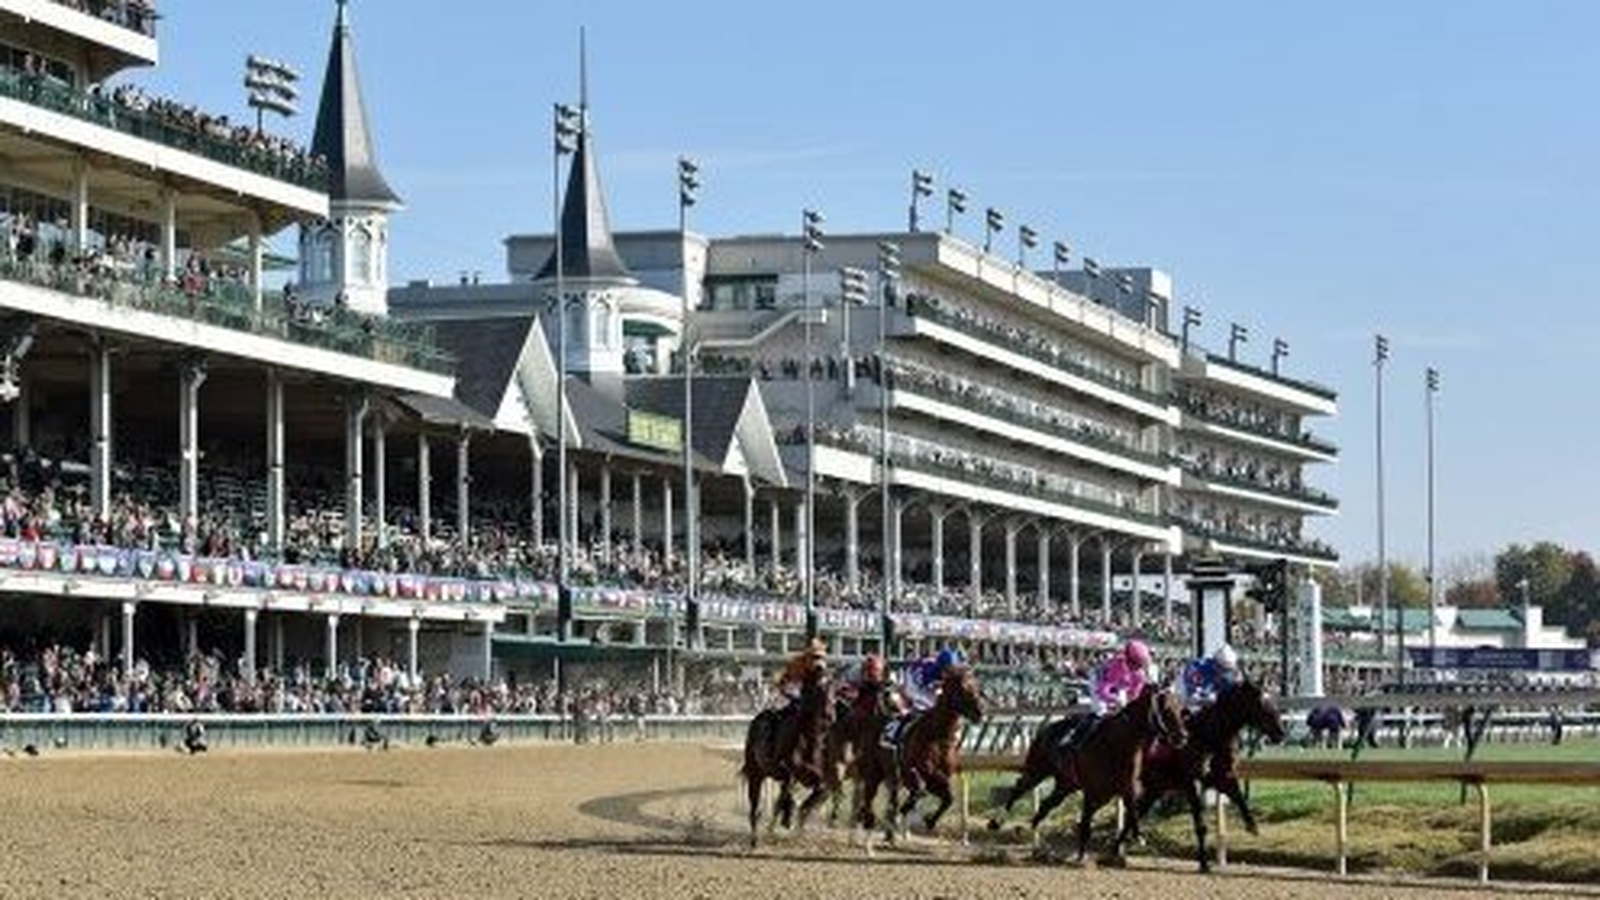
column 342, row 137
column 587, row 248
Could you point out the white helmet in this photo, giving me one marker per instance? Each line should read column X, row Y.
column 1225, row 657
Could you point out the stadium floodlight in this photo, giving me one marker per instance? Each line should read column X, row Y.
column 1125, row 283
column 853, row 285
column 567, row 127
column 1027, row 239
column 1237, row 334
column 810, row 245
column 1191, row 319
column 1280, row 351
column 888, row 279
column 1431, row 382
column 994, row 222
column 1063, row 255
column 955, row 201
column 688, row 193
column 1380, row 355
column 921, row 186
column 271, row 87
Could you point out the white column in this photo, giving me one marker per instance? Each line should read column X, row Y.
column 257, row 250
column 1044, row 566
column 80, row 205
column 775, row 517
column 536, row 489
column 749, row 525
column 463, row 488
column 424, row 486
column 1309, row 596
column 1138, row 607
column 169, row 234
column 1166, row 589
column 605, row 511
column 1012, row 526
column 488, row 652
column 250, row 618
column 1105, row 579
column 22, row 411
column 897, row 517
column 666, row 522
column 937, row 515
column 852, row 541
column 413, row 626
column 802, row 543
column 975, row 559
column 191, row 376
column 574, row 503
column 129, row 608
column 638, row 514
column 333, row 645
column 380, row 479
column 1074, row 577
column 354, row 495
column 100, row 428
column 276, row 497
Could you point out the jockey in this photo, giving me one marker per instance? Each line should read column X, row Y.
column 793, row 676
column 1206, row 679
column 1121, row 678
column 871, row 694
column 924, row 676
column 1118, row 680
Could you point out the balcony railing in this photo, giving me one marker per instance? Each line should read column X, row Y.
column 233, row 306
column 920, row 308
column 47, row 93
column 1286, row 547
column 1302, row 494
column 1310, row 387
column 1040, row 489
column 898, row 381
column 134, row 15
column 1305, row 439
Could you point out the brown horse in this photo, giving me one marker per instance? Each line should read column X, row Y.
column 1209, row 759
column 925, row 755
column 786, row 745
column 1108, row 761
column 858, row 723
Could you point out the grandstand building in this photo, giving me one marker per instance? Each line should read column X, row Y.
column 344, row 468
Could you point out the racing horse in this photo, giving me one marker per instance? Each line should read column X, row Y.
column 786, row 745
column 1209, row 759
column 1105, row 763
column 922, row 756
column 860, row 717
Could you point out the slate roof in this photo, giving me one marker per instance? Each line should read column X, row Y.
column 487, row 353
column 341, row 135
column 718, row 403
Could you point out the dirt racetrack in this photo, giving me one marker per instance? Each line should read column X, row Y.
column 633, row 821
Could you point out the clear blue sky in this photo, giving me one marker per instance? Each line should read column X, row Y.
column 1315, row 172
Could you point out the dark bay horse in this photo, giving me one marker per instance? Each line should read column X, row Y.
column 925, row 757
column 786, row 745
column 1105, row 763
column 859, row 720
column 1209, row 758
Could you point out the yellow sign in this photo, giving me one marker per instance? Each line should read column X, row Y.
column 654, row 431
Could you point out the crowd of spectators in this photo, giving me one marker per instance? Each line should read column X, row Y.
column 1244, row 414
column 1234, row 465
column 134, row 15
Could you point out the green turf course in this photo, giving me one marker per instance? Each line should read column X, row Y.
column 1541, row 833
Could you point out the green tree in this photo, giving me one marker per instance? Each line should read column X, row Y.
column 1578, row 604
column 1546, row 567
column 1477, row 593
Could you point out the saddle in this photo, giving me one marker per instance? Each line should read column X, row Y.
column 894, row 731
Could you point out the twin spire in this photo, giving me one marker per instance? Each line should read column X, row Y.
column 342, row 137
column 587, row 248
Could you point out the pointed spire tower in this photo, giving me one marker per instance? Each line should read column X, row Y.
column 593, row 275
column 346, row 258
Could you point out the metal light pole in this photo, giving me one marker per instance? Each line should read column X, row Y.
column 1063, row 255
column 888, row 281
column 994, row 221
column 1027, row 239
column 921, row 186
column 1280, row 351
column 1091, row 274
column 955, row 201
column 1432, row 391
column 1237, row 335
column 810, row 245
column 688, row 188
column 569, row 127
column 1380, row 355
column 1191, row 319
